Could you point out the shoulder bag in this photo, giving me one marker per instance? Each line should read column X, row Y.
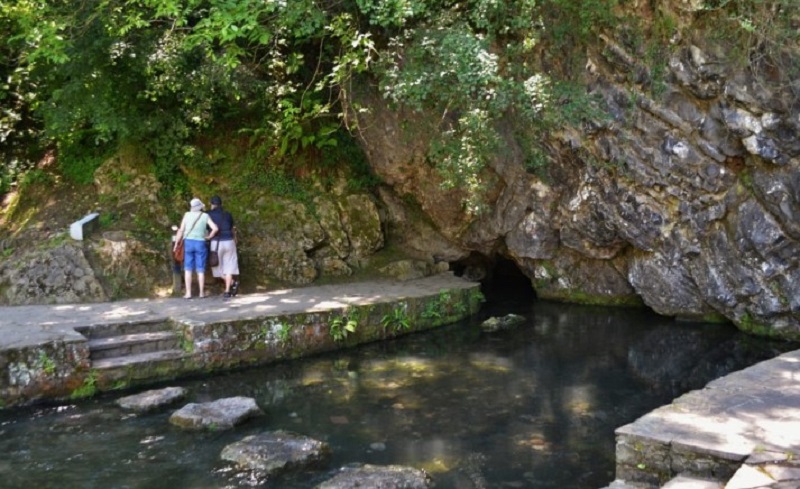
column 178, row 251
column 213, row 256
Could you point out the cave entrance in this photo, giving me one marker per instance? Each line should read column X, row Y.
column 500, row 278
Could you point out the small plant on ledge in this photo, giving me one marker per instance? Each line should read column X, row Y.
column 342, row 326
column 396, row 320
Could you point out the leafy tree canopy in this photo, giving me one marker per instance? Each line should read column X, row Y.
column 84, row 75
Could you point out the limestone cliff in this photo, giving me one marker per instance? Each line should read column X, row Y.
column 688, row 200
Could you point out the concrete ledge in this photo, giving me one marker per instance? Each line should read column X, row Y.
column 709, row 433
column 83, row 226
column 45, row 357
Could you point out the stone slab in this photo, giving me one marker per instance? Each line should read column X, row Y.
column 712, row 431
column 83, row 226
column 684, row 482
column 152, row 399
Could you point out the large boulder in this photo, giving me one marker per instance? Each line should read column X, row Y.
column 275, row 452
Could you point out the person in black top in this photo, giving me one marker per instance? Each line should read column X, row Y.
column 224, row 243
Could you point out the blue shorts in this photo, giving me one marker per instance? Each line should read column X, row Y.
column 195, row 254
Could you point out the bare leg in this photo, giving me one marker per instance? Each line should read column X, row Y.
column 201, row 281
column 228, row 281
column 187, row 276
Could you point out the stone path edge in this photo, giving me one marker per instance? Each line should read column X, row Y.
column 43, row 357
column 747, row 417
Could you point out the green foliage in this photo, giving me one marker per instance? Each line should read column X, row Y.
column 106, row 219
column 36, row 177
column 7, row 178
column 44, row 362
column 78, row 162
column 88, row 388
column 284, row 333
column 275, row 180
column 759, row 34
column 476, row 297
column 85, row 77
column 397, row 320
column 347, row 152
column 342, row 326
column 572, row 24
column 184, row 343
column 432, row 311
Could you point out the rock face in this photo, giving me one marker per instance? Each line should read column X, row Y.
column 275, row 452
column 379, row 477
column 687, row 200
column 59, row 275
column 221, row 414
column 297, row 246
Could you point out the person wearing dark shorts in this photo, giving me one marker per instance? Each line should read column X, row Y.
column 224, row 243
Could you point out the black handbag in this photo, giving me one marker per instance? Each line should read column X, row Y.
column 213, row 257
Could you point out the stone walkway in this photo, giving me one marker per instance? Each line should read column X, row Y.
column 32, row 325
column 739, row 432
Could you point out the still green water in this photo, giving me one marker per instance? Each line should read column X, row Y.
column 535, row 407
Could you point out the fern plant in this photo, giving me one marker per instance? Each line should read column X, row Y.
column 341, row 327
column 396, row 320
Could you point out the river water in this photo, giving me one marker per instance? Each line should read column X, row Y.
column 535, row 407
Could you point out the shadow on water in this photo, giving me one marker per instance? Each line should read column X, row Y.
column 533, row 407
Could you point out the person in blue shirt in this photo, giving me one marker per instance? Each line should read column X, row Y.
column 224, row 243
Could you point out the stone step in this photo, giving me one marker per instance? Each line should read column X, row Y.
column 143, row 368
column 620, row 484
column 142, row 359
column 132, row 344
column 679, row 482
column 688, row 482
column 118, row 329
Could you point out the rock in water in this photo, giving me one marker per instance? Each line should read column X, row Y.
column 379, row 477
column 498, row 324
column 276, row 451
column 220, row 414
column 152, row 399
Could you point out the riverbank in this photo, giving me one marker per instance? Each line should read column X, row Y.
column 70, row 351
column 741, row 431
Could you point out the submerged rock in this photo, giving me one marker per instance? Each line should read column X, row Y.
column 498, row 324
column 152, row 399
column 220, row 414
column 277, row 451
column 379, row 477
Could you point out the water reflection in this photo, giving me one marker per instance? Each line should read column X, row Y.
column 534, row 407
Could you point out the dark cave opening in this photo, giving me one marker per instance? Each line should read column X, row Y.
column 500, row 278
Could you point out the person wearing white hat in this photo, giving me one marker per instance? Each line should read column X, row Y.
column 193, row 233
